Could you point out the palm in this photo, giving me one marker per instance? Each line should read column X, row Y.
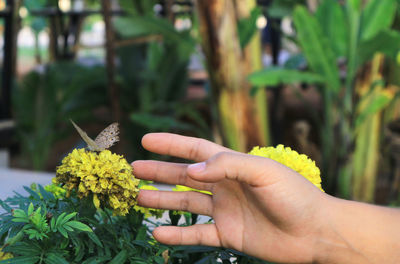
column 271, row 216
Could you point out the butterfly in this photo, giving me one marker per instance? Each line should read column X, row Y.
column 106, row 138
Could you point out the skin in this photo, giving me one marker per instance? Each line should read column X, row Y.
column 263, row 208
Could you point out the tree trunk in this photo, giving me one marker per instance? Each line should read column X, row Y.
column 110, row 64
column 242, row 117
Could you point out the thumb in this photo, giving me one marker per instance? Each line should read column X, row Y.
column 250, row 169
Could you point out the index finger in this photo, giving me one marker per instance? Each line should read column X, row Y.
column 190, row 148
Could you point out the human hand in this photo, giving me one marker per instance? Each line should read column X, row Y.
column 259, row 206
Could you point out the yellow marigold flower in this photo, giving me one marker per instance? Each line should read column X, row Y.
column 290, row 158
column 105, row 175
column 4, row 255
column 148, row 212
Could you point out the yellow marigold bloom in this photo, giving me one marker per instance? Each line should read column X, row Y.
column 148, row 212
column 290, row 158
column 105, row 175
column 4, row 255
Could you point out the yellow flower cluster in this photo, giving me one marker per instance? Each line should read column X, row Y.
column 290, row 158
column 4, row 255
column 106, row 176
column 148, row 212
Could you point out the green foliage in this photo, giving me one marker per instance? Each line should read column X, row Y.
column 273, row 76
column 350, row 32
column 153, row 75
column 43, row 100
column 316, row 48
column 41, row 228
column 247, row 27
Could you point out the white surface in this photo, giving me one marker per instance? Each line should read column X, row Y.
column 14, row 179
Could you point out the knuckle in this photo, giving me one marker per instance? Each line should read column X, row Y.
column 222, row 156
column 184, row 203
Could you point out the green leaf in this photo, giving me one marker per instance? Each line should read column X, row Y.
column 5, row 206
column 247, row 27
column 19, row 213
column 121, row 257
column 137, row 26
column 96, row 260
column 21, row 260
column 67, row 218
column 30, row 209
column 25, row 249
column 332, row 19
column 20, row 220
column 62, row 231
column 377, row 16
column 386, row 41
column 376, row 104
column 95, row 239
column 55, row 259
column 316, row 48
column 53, row 224
column 274, row 76
column 46, row 195
column 79, row 226
column 60, row 219
column 34, row 194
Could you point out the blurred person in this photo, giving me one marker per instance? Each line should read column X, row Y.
column 262, row 208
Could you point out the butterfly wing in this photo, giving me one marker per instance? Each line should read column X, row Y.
column 107, row 137
column 91, row 144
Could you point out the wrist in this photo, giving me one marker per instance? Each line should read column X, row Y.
column 331, row 245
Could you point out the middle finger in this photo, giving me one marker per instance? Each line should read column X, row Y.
column 167, row 172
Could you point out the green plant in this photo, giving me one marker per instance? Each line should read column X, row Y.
column 41, row 228
column 354, row 33
column 153, row 76
column 43, row 100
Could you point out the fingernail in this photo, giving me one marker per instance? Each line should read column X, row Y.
column 197, row 167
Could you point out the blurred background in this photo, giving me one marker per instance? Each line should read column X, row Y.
column 320, row 76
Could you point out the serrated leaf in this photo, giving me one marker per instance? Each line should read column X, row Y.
column 79, row 226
